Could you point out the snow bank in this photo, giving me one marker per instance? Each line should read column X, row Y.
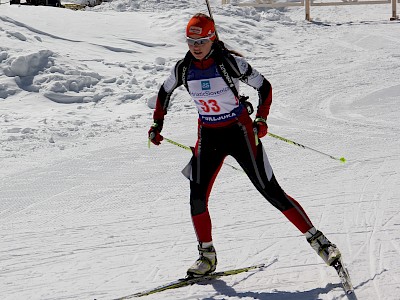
column 29, row 65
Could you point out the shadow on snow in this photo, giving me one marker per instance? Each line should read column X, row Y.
column 223, row 289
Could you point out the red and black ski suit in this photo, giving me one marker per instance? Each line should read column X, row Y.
column 225, row 128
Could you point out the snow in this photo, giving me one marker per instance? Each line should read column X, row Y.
column 87, row 211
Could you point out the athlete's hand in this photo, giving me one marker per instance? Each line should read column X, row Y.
column 261, row 125
column 154, row 133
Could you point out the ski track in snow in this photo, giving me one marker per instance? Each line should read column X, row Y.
column 87, row 211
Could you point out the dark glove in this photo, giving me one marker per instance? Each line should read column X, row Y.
column 154, row 133
column 261, row 125
column 247, row 104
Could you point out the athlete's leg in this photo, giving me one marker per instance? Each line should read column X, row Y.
column 254, row 161
column 205, row 165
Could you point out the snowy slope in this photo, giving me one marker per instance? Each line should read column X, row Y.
column 87, row 211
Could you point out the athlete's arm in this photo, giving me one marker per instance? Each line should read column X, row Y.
column 256, row 80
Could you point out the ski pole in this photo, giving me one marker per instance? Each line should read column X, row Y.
column 190, row 149
column 211, row 16
column 171, row 142
column 341, row 159
column 177, row 144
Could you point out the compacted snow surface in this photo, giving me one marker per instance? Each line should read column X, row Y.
column 87, row 211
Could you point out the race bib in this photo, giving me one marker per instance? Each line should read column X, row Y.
column 214, row 100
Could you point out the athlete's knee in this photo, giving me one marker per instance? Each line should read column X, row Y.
column 279, row 201
column 276, row 196
column 197, row 206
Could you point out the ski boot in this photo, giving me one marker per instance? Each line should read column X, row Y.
column 206, row 263
column 324, row 248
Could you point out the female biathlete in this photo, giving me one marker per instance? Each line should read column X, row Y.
column 211, row 74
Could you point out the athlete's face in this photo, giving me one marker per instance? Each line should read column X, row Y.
column 201, row 48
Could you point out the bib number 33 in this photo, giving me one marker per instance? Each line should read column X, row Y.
column 209, row 105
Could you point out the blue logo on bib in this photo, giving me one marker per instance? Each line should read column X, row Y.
column 205, row 85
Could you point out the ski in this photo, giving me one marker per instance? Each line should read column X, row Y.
column 193, row 280
column 345, row 279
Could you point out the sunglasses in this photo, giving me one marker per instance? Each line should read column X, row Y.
column 200, row 41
